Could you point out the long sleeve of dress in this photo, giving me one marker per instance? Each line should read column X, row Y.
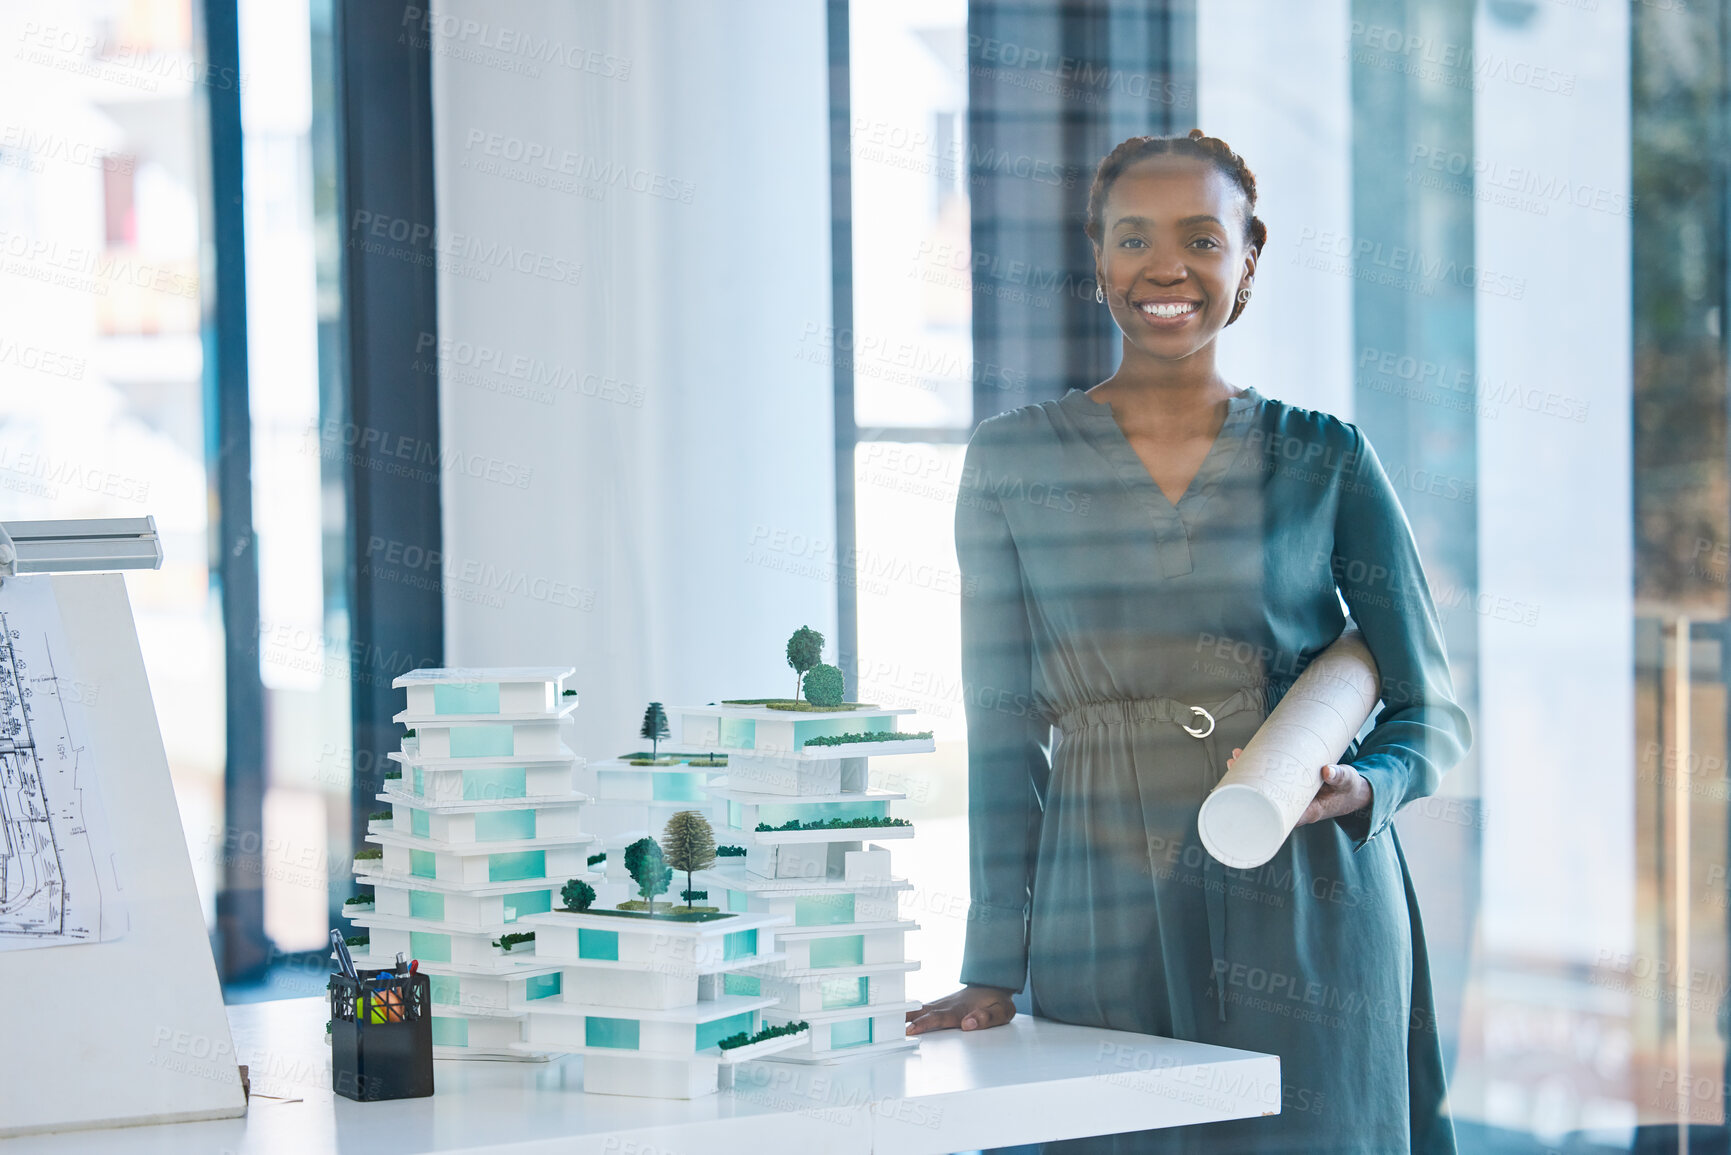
column 1007, row 767
column 1421, row 732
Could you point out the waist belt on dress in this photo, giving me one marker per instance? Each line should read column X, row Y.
column 1198, row 722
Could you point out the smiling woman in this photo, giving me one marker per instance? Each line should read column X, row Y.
column 1089, row 880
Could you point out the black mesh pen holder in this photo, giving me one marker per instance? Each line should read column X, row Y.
column 381, row 1036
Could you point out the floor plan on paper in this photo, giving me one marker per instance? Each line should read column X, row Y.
column 58, row 875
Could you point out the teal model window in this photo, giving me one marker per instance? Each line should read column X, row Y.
column 422, row 864
column 419, row 823
column 618, row 1033
column 739, row 944
column 833, row 994
column 447, row 990
column 778, row 813
column 541, row 987
column 466, row 698
column 503, row 825
column 846, row 951
column 483, row 741
column 665, row 787
column 850, row 1033
column 527, row 902
column 429, row 947
column 732, row 984
column 709, row 1034
column 598, row 944
column 738, row 900
column 740, row 733
column 831, row 727
column 486, row 785
column 450, row 1032
column 427, row 904
column 735, row 815
column 511, row 867
column 420, row 783
column 822, row 909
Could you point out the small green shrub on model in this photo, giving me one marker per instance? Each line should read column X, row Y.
column 804, row 651
column 689, row 844
column 369, row 854
column 648, row 868
column 380, row 816
column 868, row 736
column 744, row 1040
column 569, row 694
column 597, row 858
column 394, row 773
column 730, row 852
column 654, row 728
column 691, row 896
column 577, row 895
column 833, row 824
column 823, row 686
column 359, row 900
column 356, row 940
column 507, row 941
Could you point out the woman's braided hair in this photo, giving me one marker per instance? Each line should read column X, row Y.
column 1197, row 144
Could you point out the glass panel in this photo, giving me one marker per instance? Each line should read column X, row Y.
column 834, row 994
column 738, row 900
column 848, row 950
column 598, row 944
column 618, row 1033
column 708, row 1034
column 446, row 990
column 420, row 783
column 778, row 813
column 527, row 902
column 735, row 815
column 541, row 987
column 739, row 733
column 914, row 275
column 466, row 698
column 677, row 788
column 488, row 785
column 831, row 727
column 429, row 947
column 419, row 823
column 822, row 909
column 737, row 984
column 522, row 864
column 739, row 944
column 504, row 825
column 450, row 1032
column 481, row 741
column 427, row 904
column 423, row 864
column 850, row 1033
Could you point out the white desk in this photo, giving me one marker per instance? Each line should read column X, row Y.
column 1026, row 1082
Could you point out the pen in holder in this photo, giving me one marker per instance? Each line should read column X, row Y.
column 381, row 1035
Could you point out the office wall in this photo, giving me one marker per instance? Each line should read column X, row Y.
column 633, row 240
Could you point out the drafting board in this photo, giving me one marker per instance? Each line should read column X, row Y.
column 129, row 1030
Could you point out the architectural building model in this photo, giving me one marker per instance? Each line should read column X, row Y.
column 483, row 832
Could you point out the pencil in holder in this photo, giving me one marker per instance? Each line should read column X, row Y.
column 381, row 1036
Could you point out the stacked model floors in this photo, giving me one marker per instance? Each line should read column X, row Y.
column 814, row 837
column 483, row 832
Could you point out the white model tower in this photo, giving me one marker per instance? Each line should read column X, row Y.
column 796, row 799
column 483, row 833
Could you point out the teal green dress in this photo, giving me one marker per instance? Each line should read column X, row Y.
column 1096, row 615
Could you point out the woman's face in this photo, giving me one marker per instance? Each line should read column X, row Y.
column 1171, row 254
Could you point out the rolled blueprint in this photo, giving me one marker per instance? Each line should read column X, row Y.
column 1249, row 813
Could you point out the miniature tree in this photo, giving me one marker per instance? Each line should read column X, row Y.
column 690, row 845
column 577, row 895
column 648, row 868
column 823, row 686
column 654, row 728
column 804, row 650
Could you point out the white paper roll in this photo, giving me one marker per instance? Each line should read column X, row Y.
column 1249, row 813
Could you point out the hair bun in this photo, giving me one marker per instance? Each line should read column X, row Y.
column 1197, row 134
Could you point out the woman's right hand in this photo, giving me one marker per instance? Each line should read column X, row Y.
column 972, row 1008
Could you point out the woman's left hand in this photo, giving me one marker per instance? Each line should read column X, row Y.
column 1343, row 791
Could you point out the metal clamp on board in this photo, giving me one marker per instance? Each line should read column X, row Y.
column 79, row 545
